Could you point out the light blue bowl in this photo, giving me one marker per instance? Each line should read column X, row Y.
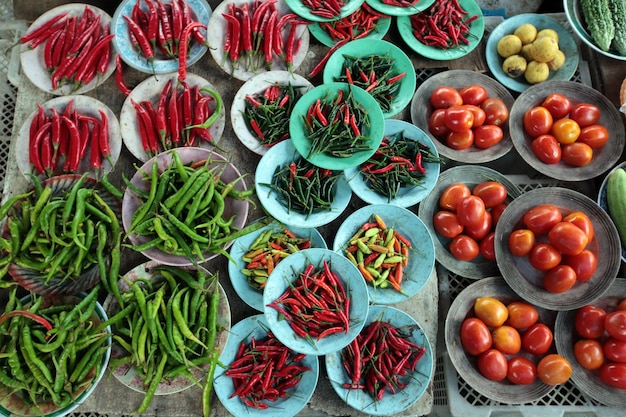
column 241, row 246
column 288, row 271
column 418, row 381
column 243, row 331
column 421, row 258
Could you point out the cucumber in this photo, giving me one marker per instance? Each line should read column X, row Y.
column 616, row 200
column 618, row 12
column 599, row 21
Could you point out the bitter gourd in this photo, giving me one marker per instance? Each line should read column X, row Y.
column 616, row 200
column 618, row 14
column 599, row 22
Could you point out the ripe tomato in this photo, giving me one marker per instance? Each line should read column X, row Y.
column 547, row 149
column 589, row 321
column 460, row 140
column 478, row 232
column 486, row 136
column 522, row 371
column 506, row 339
column 487, row 246
column 540, row 218
column 615, row 324
column 589, row 353
column 615, row 350
column 496, row 213
column 521, row 241
column 474, row 94
column 471, row 211
column 459, row 118
column 446, row 223
column 493, row 365
column 565, row 131
column 537, row 339
column 595, row 136
column 452, row 195
column 554, row 369
column 568, row 238
column 497, row 113
column 558, row 105
column 475, row 336
column 577, row 154
column 491, row 311
column 477, row 112
column 464, row 248
column 584, row 264
column 614, row 374
column 537, row 121
column 522, row 315
column 444, row 96
column 544, row 256
column 491, row 192
column 585, row 114
column 436, row 123
column 581, row 220
column 559, row 279
column 621, row 305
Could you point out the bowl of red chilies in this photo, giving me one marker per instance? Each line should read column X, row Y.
column 315, row 301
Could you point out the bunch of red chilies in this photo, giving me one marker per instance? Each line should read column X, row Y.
column 316, row 304
column 76, row 48
column 265, row 370
column 327, row 9
column 443, row 25
column 178, row 119
column 363, row 20
column 59, row 141
column 379, row 359
column 256, row 30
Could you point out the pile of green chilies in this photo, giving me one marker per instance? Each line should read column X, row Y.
column 398, row 162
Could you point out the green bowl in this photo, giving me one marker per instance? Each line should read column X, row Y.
column 363, row 48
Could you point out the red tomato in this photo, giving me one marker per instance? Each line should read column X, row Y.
column 491, row 311
column 558, row 105
column 614, row 374
column 542, row 217
column 595, row 136
column 486, row 136
column 577, row 154
column 478, row 232
column 497, row 113
column 565, row 131
column 474, row 94
column 477, row 112
column 537, row 121
column 589, row 321
column 464, row 248
column 444, row 96
column 436, row 123
column 544, row 256
column 585, row 114
column 537, row 339
column 521, row 242
column 475, row 336
column 547, row 149
column 568, row 238
column 589, row 353
column 491, row 192
column 493, row 365
column 506, row 339
column 584, row 264
column 615, row 350
column 615, row 324
column 554, row 369
column 452, row 195
column 559, row 279
column 487, row 246
column 581, row 220
column 459, row 119
column 522, row 315
column 521, row 371
column 496, row 213
column 471, row 211
column 460, row 140
column 446, row 223
column 621, row 305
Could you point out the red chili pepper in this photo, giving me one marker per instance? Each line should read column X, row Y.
column 146, row 133
column 119, row 76
column 143, row 41
column 88, row 67
column 235, row 38
column 105, row 57
column 246, row 29
column 105, row 149
column 43, row 31
column 184, row 45
column 95, row 160
column 173, row 119
column 257, row 129
column 73, row 155
column 35, row 146
column 161, row 111
column 290, row 47
column 268, row 39
column 177, row 24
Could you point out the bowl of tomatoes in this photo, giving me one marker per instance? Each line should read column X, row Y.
column 567, row 130
column 502, row 345
column 557, row 248
column 596, row 345
column 466, row 115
